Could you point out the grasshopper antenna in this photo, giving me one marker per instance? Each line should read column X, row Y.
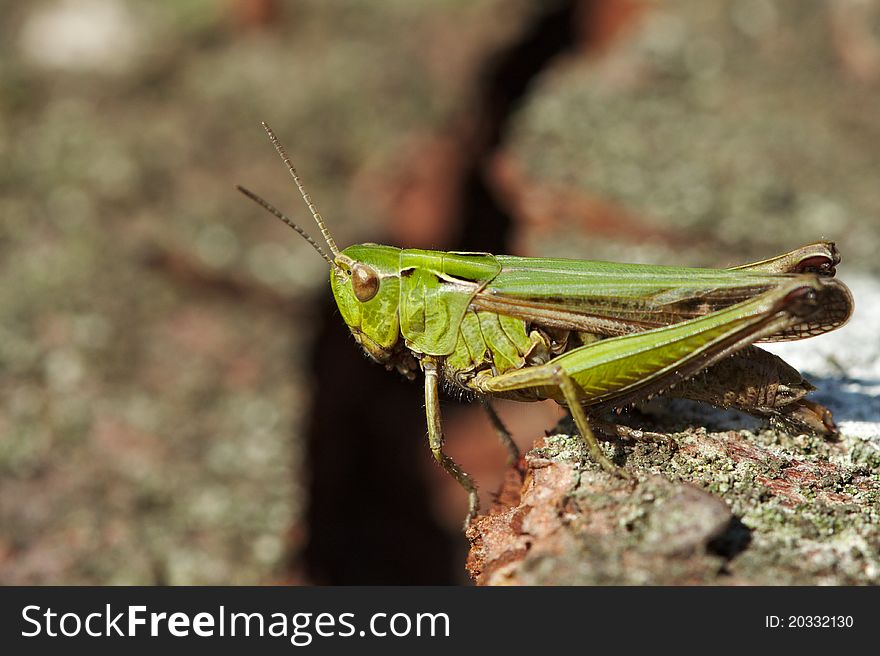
column 308, row 199
column 265, row 205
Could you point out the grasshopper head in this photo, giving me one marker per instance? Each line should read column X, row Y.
column 364, row 278
column 366, row 285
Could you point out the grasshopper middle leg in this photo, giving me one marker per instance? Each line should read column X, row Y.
column 504, row 435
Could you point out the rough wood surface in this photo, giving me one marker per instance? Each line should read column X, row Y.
column 731, row 507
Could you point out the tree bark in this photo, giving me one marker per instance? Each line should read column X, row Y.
column 718, row 508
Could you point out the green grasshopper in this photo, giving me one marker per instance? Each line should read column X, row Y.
column 593, row 336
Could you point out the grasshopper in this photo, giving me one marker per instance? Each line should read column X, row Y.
column 593, row 336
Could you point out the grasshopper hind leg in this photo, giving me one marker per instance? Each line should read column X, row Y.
column 552, row 375
column 583, row 424
column 614, row 430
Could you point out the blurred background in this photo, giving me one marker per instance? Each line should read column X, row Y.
column 179, row 401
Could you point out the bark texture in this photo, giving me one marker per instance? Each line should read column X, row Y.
column 719, row 508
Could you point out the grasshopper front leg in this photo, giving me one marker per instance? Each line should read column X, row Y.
column 436, row 440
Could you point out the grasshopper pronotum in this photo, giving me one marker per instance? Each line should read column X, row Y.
column 593, row 336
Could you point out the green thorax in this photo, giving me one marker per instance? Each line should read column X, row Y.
column 435, row 291
column 490, row 338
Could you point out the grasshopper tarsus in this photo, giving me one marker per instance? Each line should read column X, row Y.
column 473, row 511
column 624, row 432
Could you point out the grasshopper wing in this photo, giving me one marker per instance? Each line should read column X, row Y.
column 609, row 298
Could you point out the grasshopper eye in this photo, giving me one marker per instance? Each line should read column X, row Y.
column 364, row 281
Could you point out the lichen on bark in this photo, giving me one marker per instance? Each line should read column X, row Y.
column 708, row 507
